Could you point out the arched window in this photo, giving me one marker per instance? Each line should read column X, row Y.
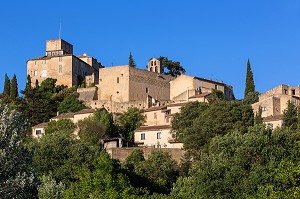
column 151, row 68
column 151, row 63
column 156, row 69
column 155, row 63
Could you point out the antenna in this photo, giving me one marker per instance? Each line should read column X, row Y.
column 59, row 33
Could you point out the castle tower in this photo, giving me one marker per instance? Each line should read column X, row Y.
column 154, row 66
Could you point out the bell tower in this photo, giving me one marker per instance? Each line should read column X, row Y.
column 154, row 66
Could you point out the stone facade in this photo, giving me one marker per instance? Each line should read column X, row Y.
column 274, row 102
column 60, row 63
column 187, row 88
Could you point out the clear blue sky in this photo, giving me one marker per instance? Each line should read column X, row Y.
column 212, row 39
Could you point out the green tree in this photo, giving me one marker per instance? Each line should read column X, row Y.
column 16, row 178
column 161, row 171
column 6, row 90
column 251, row 98
column 106, row 120
column 238, row 165
column 174, row 68
column 250, row 87
column 258, row 119
column 105, row 180
column 290, row 116
column 219, row 118
column 215, row 95
column 134, row 159
column 70, row 104
column 131, row 61
column 61, row 126
column 91, row 131
column 63, row 157
column 49, row 189
column 131, row 120
column 14, row 88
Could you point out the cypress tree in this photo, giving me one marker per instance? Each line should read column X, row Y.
column 258, row 119
column 131, row 61
column 290, row 116
column 250, row 87
column 6, row 90
column 14, row 88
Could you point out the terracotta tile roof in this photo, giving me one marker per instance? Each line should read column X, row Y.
column 153, row 128
column 71, row 115
column 41, row 125
column 272, row 118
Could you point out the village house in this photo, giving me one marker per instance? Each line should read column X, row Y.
column 274, row 102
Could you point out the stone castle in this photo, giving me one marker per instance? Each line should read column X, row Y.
column 117, row 88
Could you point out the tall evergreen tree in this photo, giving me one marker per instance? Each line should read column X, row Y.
column 290, row 116
column 250, row 87
column 6, row 90
column 14, row 88
column 131, row 61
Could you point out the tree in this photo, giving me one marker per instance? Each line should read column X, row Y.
column 250, row 87
column 239, row 165
column 290, row 116
column 104, row 180
column 6, row 90
column 49, row 189
column 61, row 126
column 14, row 88
column 205, row 122
column 16, row 179
column 134, row 159
column 215, row 95
column 63, row 157
column 258, row 119
column 251, row 98
column 91, row 131
column 106, row 120
column 174, row 68
column 70, row 104
column 131, row 120
column 160, row 169
column 131, row 61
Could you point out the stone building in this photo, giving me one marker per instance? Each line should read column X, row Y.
column 156, row 131
column 60, row 63
column 190, row 88
column 274, row 102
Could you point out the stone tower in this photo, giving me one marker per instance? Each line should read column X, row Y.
column 154, row 66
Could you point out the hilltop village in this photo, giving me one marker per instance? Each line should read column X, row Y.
column 83, row 130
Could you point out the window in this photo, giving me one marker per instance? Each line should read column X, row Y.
column 151, row 63
column 158, row 135
column 60, row 68
column 270, row 125
column 143, row 136
column 293, row 91
column 263, row 108
column 155, row 63
column 44, row 73
column 60, row 59
column 285, row 91
column 44, row 62
column 118, row 79
column 216, row 86
column 155, row 115
column 38, row 132
column 35, row 73
column 200, row 84
column 167, row 119
column 146, row 90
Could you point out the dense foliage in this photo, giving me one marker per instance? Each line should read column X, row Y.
column 171, row 67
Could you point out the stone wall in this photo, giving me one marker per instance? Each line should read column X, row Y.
column 122, row 153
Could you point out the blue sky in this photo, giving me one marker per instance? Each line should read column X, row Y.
column 212, row 39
